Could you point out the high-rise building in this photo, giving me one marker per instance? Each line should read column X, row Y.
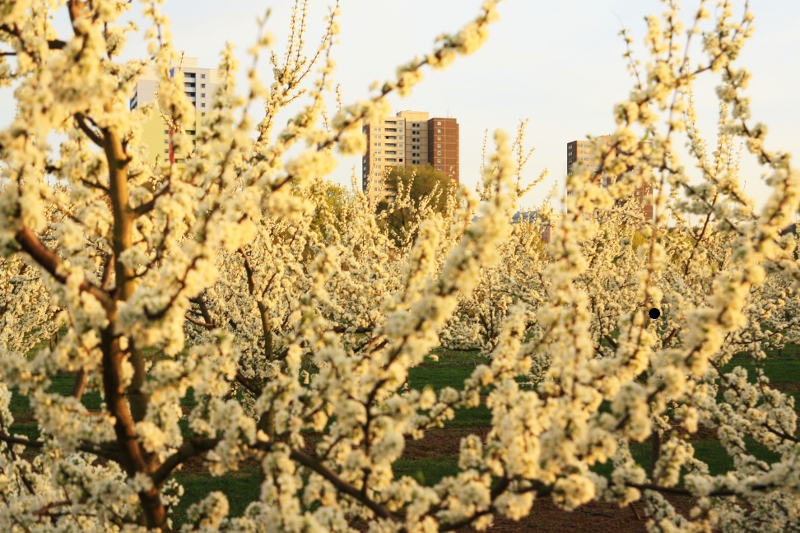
column 582, row 151
column 199, row 85
column 443, row 146
column 409, row 139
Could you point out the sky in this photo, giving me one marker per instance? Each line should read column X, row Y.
column 556, row 63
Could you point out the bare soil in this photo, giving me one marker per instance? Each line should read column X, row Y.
column 595, row 517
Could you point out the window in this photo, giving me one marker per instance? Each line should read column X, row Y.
column 438, row 146
column 203, row 104
column 439, row 161
column 438, row 122
column 166, row 131
column 439, row 130
column 201, row 75
column 166, row 141
column 202, row 85
column 438, row 153
column 416, row 124
column 202, row 95
column 166, row 151
column 376, row 144
column 438, row 168
column 202, row 114
column 438, row 138
column 415, row 140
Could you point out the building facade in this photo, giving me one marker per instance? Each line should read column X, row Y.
column 443, row 145
column 410, row 138
column 581, row 151
column 199, row 84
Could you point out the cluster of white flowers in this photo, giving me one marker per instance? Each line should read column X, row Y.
column 287, row 310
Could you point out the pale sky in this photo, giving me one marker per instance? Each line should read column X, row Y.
column 557, row 63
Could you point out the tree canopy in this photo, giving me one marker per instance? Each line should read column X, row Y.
column 412, row 190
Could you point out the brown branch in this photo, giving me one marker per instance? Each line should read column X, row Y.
column 206, row 325
column 248, row 383
column 342, row 486
column 25, row 442
column 107, row 269
column 350, row 329
column 48, row 260
column 201, row 302
column 45, row 510
column 80, row 384
column 85, row 128
column 191, row 448
column 611, row 341
column 150, row 204
column 93, row 185
column 779, row 433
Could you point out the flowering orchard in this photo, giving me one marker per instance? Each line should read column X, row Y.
column 232, row 276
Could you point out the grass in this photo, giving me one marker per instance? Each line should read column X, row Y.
column 428, row 471
column 775, row 369
column 241, row 488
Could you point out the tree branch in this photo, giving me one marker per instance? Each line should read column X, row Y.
column 342, row 486
column 248, row 383
column 85, row 128
column 191, row 448
column 25, row 442
column 201, row 324
column 49, row 261
column 150, row 204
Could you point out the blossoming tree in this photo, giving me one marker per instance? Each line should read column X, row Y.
column 209, row 275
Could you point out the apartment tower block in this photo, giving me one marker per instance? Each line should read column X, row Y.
column 199, row 86
column 582, row 151
column 409, row 139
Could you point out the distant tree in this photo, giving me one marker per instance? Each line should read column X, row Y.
column 330, row 214
column 417, row 190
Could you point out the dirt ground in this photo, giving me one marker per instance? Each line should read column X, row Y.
column 593, row 517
